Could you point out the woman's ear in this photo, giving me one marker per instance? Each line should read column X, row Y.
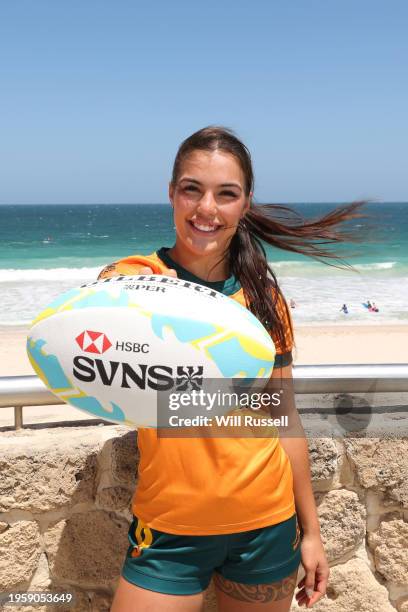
column 247, row 204
column 171, row 193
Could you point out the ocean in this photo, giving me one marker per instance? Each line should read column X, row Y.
column 48, row 249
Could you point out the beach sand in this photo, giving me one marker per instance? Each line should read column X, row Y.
column 314, row 345
column 351, row 344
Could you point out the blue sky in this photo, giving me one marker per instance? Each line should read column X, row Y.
column 96, row 96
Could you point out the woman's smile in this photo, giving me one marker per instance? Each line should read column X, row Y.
column 205, row 227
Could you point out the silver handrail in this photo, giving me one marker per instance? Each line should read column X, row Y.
column 19, row 391
column 383, row 378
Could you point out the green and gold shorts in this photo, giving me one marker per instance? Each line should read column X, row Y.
column 184, row 564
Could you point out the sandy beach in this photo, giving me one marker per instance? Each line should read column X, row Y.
column 314, row 345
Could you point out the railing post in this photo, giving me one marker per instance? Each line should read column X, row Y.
column 18, row 417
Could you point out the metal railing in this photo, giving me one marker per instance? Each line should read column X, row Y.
column 19, row 391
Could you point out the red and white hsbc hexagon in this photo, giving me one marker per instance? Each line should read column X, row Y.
column 93, row 342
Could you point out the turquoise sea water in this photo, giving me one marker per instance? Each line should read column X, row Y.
column 47, row 249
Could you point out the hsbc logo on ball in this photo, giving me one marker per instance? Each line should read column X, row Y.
column 93, row 342
column 143, row 375
column 98, row 342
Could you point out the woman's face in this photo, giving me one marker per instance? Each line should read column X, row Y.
column 208, row 201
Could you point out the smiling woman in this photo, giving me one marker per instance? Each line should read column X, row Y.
column 241, row 509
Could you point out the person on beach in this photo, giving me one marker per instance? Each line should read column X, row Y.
column 292, row 303
column 236, row 509
column 344, row 309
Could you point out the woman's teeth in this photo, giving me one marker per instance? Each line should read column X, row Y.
column 205, row 228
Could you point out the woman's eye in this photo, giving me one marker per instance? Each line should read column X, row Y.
column 229, row 194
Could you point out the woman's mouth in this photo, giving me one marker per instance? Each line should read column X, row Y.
column 204, row 228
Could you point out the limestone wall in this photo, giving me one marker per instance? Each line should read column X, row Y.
column 64, row 513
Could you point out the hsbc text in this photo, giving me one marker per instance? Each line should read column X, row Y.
column 132, row 347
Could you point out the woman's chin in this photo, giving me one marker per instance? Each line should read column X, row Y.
column 204, row 247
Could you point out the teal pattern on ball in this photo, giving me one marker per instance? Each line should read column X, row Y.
column 231, row 359
column 185, row 330
column 55, row 379
column 91, row 404
column 48, row 364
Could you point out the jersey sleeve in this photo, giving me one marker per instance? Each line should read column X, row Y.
column 283, row 350
column 132, row 265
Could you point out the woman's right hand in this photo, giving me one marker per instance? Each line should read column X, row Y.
column 110, row 271
column 147, row 270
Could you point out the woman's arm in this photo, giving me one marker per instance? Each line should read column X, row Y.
column 293, row 440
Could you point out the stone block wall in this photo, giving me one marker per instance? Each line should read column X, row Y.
column 65, row 496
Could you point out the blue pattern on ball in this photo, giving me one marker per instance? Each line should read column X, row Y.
column 49, row 365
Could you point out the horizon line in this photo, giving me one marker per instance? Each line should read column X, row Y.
column 369, row 201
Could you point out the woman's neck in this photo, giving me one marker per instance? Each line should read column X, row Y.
column 210, row 268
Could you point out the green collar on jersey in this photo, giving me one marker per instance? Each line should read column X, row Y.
column 228, row 287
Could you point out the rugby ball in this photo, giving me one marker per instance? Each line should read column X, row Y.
column 111, row 346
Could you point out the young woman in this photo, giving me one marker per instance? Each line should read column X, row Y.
column 238, row 509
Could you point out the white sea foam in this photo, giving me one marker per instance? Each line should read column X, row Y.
column 65, row 273
column 313, row 269
column 319, row 296
column 382, row 265
column 282, row 268
column 11, row 275
column 314, row 265
column 291, row 264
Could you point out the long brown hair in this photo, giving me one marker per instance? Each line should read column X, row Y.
column 277, row 225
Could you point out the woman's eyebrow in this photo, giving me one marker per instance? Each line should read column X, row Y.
column 187, row 178
column 192, row 180
column 231, row 185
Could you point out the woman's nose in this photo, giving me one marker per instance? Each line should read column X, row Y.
column 208, row 204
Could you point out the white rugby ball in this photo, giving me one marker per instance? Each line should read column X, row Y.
column 110, row 346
